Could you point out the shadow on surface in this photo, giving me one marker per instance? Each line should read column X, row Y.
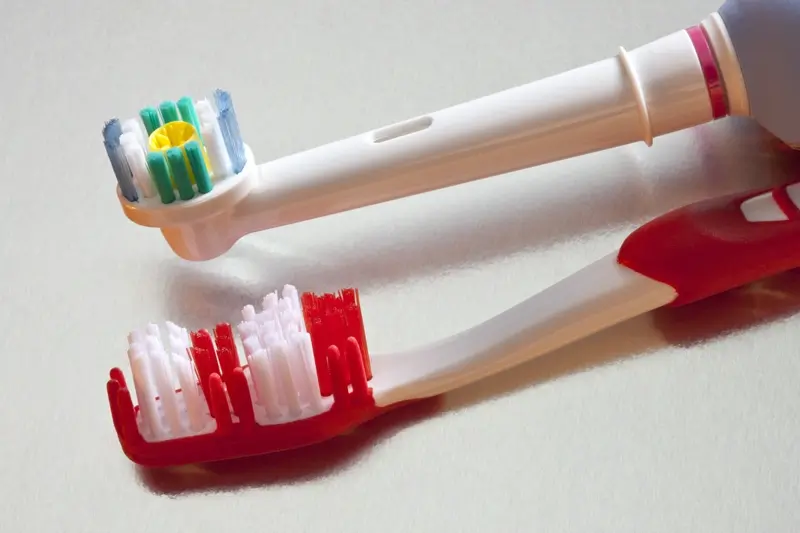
column 528, row 214
column 729, row 313
column 769, row 300
column 466, row 226
column 293, row 466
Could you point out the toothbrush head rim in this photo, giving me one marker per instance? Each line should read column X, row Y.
column 150, row 212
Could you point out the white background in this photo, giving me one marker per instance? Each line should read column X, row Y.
column 678, row 421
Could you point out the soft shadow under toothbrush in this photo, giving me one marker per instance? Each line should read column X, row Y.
column 729, row 313
column 290, row 467
column 703, row 322
column 519, row 213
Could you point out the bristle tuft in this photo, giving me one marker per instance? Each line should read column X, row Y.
column 217, row 152
column 180, row 173
column 136, row 158
column 229, row 125
column 112, row 131
column 159, row 170
column 194, row 384
column 169, row 111
column 194, row 153
column 332, row 319
column 150, row 119
column 277, row 348
column 188, row 113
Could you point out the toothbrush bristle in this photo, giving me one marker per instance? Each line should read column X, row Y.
column 188, row 113
column 180, row 173
column 305, row 375
column 169, row 111
column 150, row 119
column 229, row 125
column 112, row 131
column 212, row 137
column 332, row 319
column 175, row 151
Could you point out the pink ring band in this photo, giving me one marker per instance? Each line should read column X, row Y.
column 716, row 90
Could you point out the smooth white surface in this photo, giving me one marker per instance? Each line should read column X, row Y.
column 685, row 420
column 595, row 297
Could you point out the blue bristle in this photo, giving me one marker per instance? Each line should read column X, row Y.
column 112, row 131
column 229, row 127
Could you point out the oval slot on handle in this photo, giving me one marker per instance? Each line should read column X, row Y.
column 402, row 129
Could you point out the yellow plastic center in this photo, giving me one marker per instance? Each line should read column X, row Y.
column 172, row 134
column 177, row 134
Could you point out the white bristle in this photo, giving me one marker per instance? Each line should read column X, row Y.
column 134, row 126
column 153, row 329
column 251, row 345
column 270, row 301
column 135, row 336
column 190, row 392
column 145, row 392
column 291, row 295
column 179, row 340
column 152, row 343
column 307, row 353
column 300, row 375
column 278, row 335
column 281, row 371
column 173, row 328
column 212, row 138
column 279, row 357
column 288, row 322
column 263, row 317
column 137, row 161
column 247, row 329
column 249, row 313
column 157, row 373
column 283, row 306
column 162, row 375
column 265, row 384
column 268, row 337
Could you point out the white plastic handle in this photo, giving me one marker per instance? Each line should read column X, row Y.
column 653, row 90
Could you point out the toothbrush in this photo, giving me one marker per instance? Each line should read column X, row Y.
column 307, row 375
column 741, row 60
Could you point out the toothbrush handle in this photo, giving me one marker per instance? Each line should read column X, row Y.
column 664, row 86
column 716, row 245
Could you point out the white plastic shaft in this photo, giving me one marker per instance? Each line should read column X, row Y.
column 636, row 96
column 601, row 295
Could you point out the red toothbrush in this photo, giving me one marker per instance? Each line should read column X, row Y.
column 307, row 376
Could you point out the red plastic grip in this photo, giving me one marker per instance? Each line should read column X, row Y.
column 710, row 247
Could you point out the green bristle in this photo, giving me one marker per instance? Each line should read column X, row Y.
column 201, row 176
column 150, row 119
column 169, row 112
column 188, row 113
column 180, row 173
column 161, row 176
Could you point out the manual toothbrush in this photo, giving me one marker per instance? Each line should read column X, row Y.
column 307, row 374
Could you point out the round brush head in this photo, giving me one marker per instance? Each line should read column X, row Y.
column 182, row 167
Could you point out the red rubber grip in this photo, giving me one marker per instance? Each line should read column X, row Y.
column 710, row 247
